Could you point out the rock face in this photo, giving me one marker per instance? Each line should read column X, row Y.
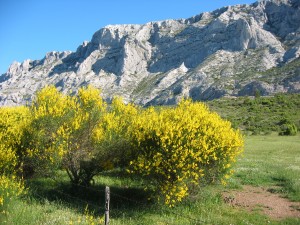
column 236, row 50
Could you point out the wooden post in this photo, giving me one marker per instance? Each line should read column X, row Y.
column 107, row 199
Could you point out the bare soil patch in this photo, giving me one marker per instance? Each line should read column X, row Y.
column 262, row 199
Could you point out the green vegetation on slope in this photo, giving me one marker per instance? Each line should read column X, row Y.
column 280, row 75
column 261, row 115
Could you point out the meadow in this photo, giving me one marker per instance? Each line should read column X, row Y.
column 269, row 161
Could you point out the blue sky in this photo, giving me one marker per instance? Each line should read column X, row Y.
column 29, row 29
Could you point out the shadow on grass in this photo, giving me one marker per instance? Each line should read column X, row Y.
column 287, row 181
column 126, row 200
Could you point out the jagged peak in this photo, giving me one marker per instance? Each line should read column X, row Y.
column 85, row 43
column 57, row 54
column 111, row 33
column 14, row 67
column 122, row 26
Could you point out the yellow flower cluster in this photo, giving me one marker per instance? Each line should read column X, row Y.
column 183, row 145
column 112, row 132
column 13, row 121
column 50, row 102
column 118, row 119
column 89, row 97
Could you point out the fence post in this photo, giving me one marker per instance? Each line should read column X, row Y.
column 107, row 199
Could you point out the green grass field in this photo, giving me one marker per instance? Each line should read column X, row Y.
column 269, row 161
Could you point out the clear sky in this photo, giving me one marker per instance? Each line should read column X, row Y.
column 31, row 28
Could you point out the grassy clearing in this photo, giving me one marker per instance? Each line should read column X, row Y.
column 271, row 161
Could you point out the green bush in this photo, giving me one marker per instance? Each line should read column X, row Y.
column 288, row 129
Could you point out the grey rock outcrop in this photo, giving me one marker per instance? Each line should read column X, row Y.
column 234, row 50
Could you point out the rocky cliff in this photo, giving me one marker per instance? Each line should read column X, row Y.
column 235, row 50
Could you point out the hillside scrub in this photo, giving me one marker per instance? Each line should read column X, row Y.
column 173, row 149
column 279, row 113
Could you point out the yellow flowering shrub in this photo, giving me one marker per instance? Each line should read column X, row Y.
column 78, row 133
column 74, row 139
column 49, row 110
column 111, row 133
column 181, row 146
column 13, row 121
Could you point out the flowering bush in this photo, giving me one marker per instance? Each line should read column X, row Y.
column 13, row 121
column 74, row 138
column 111, row 133
column 185, row 145
column 49, row 111
column 80, row 133
column 62, row 132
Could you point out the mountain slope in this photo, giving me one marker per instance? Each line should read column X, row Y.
column 234, row 50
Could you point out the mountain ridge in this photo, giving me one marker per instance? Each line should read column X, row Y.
column 227, row 52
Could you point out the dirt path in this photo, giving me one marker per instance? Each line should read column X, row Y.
column 258, row 198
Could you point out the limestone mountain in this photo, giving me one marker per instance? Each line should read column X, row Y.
column 232, row 51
